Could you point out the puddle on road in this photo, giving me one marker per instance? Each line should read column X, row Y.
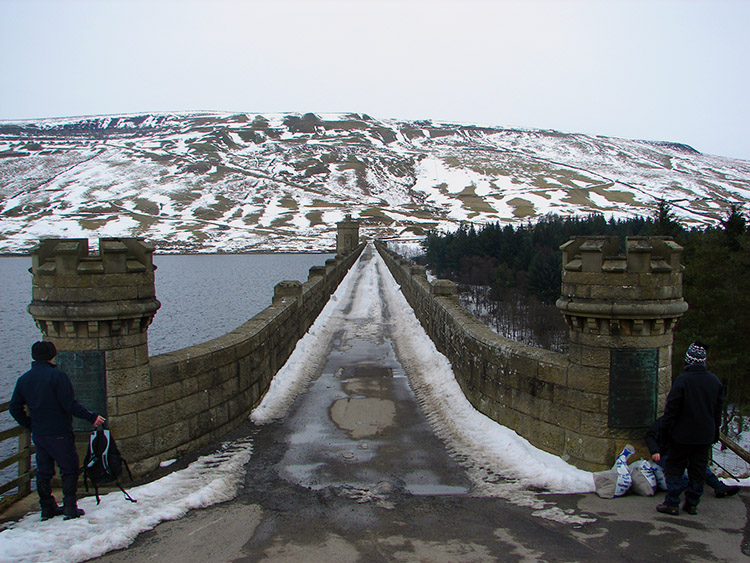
column 363, row 417
column 365, row 412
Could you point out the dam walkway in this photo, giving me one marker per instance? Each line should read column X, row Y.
column 351, row 462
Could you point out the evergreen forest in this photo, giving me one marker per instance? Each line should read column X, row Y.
column 522, row 264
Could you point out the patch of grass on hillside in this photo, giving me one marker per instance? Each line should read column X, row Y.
column 207, row 213
column 326, row 204
column 157, row 157
column 146, row 221
column 437, row 133
column 203, row 147
column 146, row 206
column 471, row 201
column 419, row 211
column 305, row 124
column 615, row 196
column 522, row 207
column 411, row 132
column 252, row 218
column 401, row 168
column 315, row 218
column 375, row 215
column 345, row 125
column 186, row 197
column 288, row 202
column 421, row 230
column 251, row 136
column 311, row 166
column 386, row 135
column 92, row 224
column 330, row 157
column 352, row 164
column 282, row 220
column 219, row 173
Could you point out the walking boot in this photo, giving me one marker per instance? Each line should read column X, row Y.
column 70, row 504
column 665, row 508
column 46, row 501
column 722, row 490
column 690, row 508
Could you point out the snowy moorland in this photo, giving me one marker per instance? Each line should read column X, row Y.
column 240, row 182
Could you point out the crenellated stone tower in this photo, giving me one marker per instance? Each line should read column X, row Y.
column 96, row 308
column 347, row 235
column 621, row 311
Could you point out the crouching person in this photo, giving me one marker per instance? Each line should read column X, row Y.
column 48, row 394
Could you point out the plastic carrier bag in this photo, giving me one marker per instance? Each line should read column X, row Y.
column 617, row 481
column 644, row 480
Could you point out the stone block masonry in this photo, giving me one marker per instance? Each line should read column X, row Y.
column 96, row 308
column 586, row 405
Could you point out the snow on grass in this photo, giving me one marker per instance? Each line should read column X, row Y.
column 116, row 522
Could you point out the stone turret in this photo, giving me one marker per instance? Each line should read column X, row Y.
column 96, row 308
column 347, row 236
column 621, row 310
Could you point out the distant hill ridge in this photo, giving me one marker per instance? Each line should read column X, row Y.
column 234, row 182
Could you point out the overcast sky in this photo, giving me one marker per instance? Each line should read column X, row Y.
column 658, row 70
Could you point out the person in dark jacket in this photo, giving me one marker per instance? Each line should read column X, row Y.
column 48, row 394
column 691, row 422
column 659, row 450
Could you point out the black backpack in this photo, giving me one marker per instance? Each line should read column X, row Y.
column 103, row 463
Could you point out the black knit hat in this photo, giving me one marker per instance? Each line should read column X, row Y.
column 43, row 351
column 696, row 353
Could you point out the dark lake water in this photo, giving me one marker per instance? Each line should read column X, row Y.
column 202, row 296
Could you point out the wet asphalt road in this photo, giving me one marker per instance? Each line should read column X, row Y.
column 354, row 473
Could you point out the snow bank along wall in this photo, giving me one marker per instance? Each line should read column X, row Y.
column 621, row 311
column 96, row 308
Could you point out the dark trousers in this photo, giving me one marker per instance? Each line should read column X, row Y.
column 55, row 449
column 692, row 457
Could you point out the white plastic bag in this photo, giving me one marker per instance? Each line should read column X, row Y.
column 661, row 479
column 644, row 480
column 615, row 482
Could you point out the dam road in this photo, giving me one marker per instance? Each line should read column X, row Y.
column 349, row 467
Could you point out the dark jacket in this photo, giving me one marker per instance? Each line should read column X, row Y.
column 692, row 414
column 655, row 439
column 49, row 395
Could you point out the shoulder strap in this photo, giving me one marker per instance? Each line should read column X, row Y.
column 105, row 453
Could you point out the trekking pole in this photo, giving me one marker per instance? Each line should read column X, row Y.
column 720, row 466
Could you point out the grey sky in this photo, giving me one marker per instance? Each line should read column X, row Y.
column 659, row 70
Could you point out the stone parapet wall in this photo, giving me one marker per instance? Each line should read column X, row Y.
column 193, row 396
column 559, row 403
column 97, row 306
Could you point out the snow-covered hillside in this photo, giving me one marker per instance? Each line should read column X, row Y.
column 240, row 182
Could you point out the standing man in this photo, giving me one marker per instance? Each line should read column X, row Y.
column 691, row 422
column 49, row 396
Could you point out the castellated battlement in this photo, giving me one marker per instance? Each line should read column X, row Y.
column 73, row 257
column 638, row 293
column 601, row 254
column 78, row 293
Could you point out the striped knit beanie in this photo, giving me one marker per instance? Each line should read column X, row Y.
column 696, row 353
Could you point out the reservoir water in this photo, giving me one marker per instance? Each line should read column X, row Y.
column 202, row 296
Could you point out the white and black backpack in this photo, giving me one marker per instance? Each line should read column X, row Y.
column 103, row 463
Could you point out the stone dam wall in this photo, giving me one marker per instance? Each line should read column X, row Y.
column 96, row 308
